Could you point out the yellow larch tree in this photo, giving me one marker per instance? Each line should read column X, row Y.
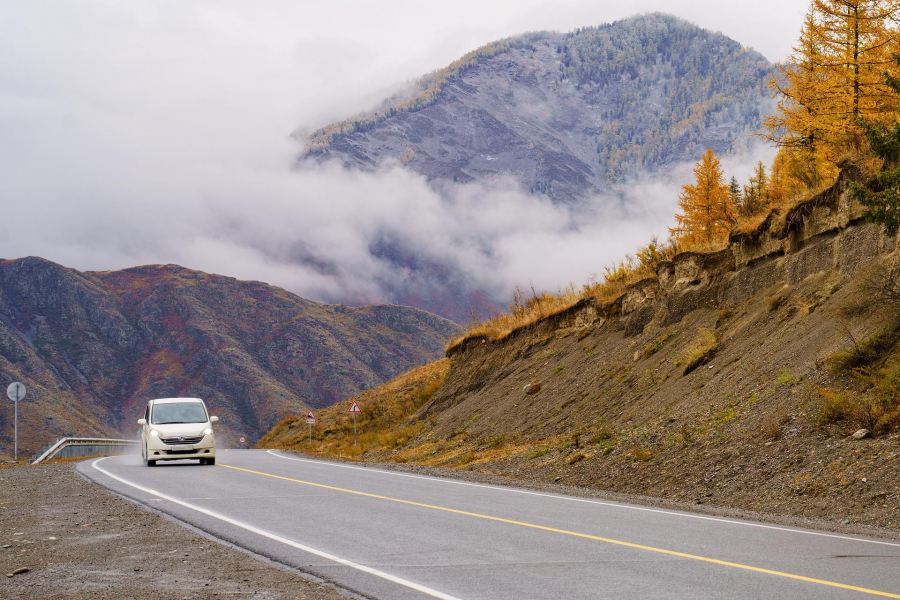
column 834, row 77
column 707, row 206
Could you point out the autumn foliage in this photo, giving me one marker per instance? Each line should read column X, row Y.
column 838, row 97
column 708, row 208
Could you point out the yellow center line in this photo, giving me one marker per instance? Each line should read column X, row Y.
column 705, row 559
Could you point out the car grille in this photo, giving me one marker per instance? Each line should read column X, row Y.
column 193, row 439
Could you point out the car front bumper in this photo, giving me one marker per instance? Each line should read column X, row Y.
column 159, row 450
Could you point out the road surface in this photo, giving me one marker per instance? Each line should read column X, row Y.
column 390, row 535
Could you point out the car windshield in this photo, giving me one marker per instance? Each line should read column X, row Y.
column 178, row 412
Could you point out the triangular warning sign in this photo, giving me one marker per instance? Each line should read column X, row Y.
column 309, row 415
column 354, row 407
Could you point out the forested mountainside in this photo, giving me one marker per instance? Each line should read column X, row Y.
column 566, row 113
column 93, row 347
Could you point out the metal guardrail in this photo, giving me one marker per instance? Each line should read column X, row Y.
column 69, row 447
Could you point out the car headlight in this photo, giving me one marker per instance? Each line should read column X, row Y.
column 154, row 432
column 207, row 431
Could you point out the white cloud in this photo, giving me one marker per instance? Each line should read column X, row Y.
column 135, row 133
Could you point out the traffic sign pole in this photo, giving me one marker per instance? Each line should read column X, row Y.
column 354, row 408
column 310, row 419
column 16, row 392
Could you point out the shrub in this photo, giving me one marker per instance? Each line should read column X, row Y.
column 770, row 430
column 641, row 454
column 723, row 317
column 657, row 344
column 863, row 410
column 577, row 458
column 701, row 352
column 861, row 354
column 785, row 377
column 775, row 301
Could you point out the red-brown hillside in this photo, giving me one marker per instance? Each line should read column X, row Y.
column 92, row 347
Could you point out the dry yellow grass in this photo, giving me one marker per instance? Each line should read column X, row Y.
column 387, row 419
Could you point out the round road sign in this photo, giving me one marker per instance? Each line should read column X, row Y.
column 242, row 439
column 16, row 391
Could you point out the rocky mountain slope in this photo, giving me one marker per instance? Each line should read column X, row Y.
column 93, row 347
column 566, row 114
column 735, row 379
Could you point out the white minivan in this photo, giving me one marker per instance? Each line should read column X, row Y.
column 175, row 429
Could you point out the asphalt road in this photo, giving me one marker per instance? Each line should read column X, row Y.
column 390, row 535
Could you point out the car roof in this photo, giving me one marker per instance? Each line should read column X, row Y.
column 171, row 400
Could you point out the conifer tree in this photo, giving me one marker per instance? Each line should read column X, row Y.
column 734, row 190
column 834, row 77
column 756, row 192
column 707, row 208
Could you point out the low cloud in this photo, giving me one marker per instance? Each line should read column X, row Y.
column 135, row 134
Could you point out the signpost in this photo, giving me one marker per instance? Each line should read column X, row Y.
column 16, row 392
column 310, row 419
column 242, row 439
column 354, row 408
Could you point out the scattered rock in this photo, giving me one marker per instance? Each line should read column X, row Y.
column 862, row 433
column 21, row 570
column 557, row 480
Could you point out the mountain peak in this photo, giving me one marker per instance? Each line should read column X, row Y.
column 566, row 114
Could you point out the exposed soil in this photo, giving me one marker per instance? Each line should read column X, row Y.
column 79, row 540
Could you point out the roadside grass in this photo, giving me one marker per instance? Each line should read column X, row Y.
column 700, row 352
column 388, row 421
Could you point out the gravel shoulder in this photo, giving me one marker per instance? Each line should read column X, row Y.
column 78, row 540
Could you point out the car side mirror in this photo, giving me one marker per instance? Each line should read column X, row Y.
column 142, row 421
column 214, row 419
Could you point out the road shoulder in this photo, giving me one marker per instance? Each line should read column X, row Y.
column 78, row 539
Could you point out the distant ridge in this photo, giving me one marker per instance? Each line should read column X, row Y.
column 93, row 347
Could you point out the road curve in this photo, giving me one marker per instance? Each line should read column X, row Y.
column 390, row 535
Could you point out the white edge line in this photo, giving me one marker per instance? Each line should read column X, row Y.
column 278, row 538
column 586, row 501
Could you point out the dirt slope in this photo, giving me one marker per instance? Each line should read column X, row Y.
column 598, row 396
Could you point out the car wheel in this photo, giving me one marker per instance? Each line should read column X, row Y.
column 202, row 461
column 211, row 461
column 151, row 463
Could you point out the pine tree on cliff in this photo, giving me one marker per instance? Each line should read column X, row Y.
column 707, row 207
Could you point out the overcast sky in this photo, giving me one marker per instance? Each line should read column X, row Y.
column 139, row 132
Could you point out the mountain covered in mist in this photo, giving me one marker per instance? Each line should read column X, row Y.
column 566, row 114
column 93, row 347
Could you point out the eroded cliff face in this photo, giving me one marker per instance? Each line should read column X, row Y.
column 618, row 408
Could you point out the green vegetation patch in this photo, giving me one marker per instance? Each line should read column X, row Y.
column 657, row 344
